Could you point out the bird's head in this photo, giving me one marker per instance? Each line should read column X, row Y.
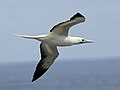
column 83, row 40
column 79, row 40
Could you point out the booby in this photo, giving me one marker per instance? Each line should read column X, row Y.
column 58, row 36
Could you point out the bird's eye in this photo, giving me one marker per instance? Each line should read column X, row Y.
column 83, row 40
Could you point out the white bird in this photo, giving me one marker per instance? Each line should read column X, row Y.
column 58, row 36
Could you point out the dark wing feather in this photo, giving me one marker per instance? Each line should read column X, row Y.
column 63, row 28
column 39, row 71
column 48, row 55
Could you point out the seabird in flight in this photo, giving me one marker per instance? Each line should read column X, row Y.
column 58, row 36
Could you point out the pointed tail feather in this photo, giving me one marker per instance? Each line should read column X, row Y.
column 26, row 36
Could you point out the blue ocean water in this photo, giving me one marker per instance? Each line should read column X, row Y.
column 67, row 75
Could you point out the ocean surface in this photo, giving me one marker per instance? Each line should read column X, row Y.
column 66, row 75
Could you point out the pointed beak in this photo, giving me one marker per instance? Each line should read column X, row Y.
column 88, row 41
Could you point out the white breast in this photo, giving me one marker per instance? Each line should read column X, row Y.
column 58, row 40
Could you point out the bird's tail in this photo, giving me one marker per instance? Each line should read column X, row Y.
column 38, row 37
column 27, row 36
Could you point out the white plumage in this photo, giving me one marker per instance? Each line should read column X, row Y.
column 58, row 36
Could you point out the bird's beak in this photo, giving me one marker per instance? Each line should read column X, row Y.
column 88, row 41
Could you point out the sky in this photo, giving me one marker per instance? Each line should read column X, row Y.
column 34, row 17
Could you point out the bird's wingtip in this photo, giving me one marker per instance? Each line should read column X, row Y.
column 33, row 80
column 76, row 15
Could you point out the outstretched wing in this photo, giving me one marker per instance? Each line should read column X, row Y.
column 48, row 55
column 63, row 28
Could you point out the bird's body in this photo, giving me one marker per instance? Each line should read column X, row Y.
column 58, row 36
column 55, row 40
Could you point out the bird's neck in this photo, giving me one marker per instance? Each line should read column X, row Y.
column 75, row 40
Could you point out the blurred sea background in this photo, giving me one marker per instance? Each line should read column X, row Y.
column 18, row 57
column 103, row 74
